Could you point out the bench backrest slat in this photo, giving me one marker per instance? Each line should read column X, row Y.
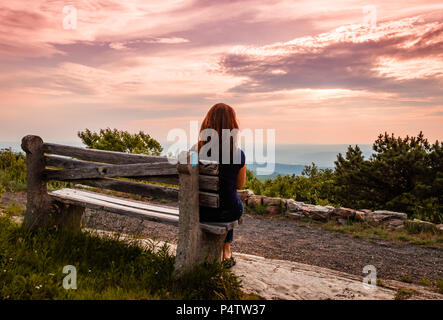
column 110, row 171
column 95, row 157
column 100, row 155
column 206, row 182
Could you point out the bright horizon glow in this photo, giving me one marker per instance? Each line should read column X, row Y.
column 310, row 70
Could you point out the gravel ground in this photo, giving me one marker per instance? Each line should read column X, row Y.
column 293, row 241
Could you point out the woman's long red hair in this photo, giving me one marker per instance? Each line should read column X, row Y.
column 219, row 117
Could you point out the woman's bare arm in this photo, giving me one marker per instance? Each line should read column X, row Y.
column 241, row 177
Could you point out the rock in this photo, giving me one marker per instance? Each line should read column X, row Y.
column 395, row 224
column 254, row 201
column 269, row 201
column 393, row 214
column 244, row 194
column 439, row 227
column 273, row 210
column 306, row 210
column 417, row 225
column 296, row 216
column 284, row 204
column 343, row 222
column 294, row 206
column 381, row 219
column 368, row 216
column 384, row 216
column 320, row 213
column 360, row 216
column 343, row 213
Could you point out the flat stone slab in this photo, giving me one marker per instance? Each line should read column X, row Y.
column 287, row 280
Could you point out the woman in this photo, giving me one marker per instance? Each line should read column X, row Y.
column 232, row 173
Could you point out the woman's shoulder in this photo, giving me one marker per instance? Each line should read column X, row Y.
column 240, row 157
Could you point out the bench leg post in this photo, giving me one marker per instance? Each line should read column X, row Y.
column 69, row 216
column 38, row 204
column 194, row 245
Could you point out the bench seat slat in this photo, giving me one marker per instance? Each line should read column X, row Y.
column 73, row 198
column 121, row 201
column 137, row 209
column 207, row 199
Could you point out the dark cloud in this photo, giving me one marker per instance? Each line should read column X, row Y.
column 340, row 64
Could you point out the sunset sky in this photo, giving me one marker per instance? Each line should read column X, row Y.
column 315, row 71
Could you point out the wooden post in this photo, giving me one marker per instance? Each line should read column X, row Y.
column 194, row 246
column 41, row 211
column 38, row 201
column 68, row 216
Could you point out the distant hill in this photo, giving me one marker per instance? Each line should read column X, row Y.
column 280, row 168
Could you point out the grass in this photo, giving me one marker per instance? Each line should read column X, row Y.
column 406, row 279
column 31, row 265
column 363, row 231
column 440, row 286
column 12, row 170
column 14, row 209
column 403, row 294
column 426, row 282
column 258, row 209
column 416, row 228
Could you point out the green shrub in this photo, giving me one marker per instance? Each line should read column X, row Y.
column 122, row 141
column 12, row 170
column 314, row 186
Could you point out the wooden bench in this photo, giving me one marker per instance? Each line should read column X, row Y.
column 198, row 185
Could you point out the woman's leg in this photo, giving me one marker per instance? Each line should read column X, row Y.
column 227, row 246
column 230, row 236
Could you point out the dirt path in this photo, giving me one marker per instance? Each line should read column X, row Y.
column 292, row 241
